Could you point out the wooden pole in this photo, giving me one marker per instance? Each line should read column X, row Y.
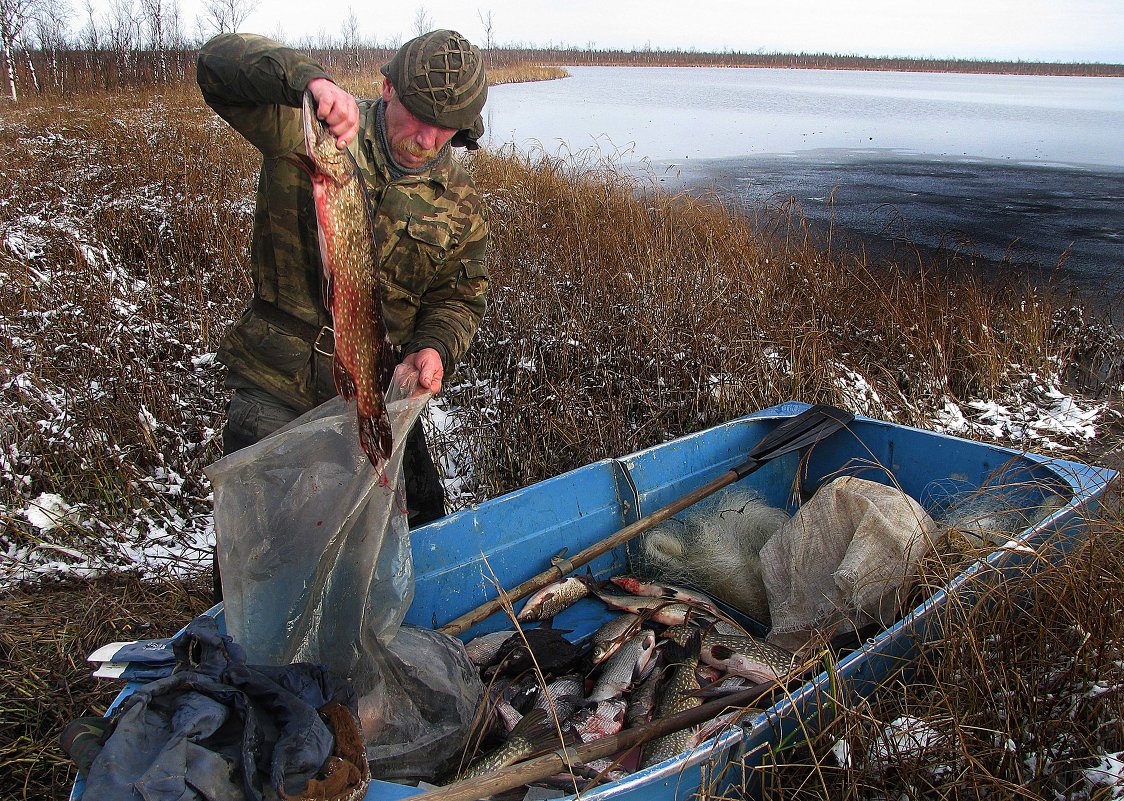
column 807, row 428
column 563, row 568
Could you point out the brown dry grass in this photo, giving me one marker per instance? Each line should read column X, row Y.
column 46, row 631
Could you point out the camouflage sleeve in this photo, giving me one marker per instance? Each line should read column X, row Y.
column 452, row 307
column 255, row 84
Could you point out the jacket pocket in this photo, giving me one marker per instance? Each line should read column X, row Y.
column 417, row 257
column 435, row 236
column 271, row 358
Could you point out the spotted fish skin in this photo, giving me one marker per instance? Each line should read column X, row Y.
column 748, row 657
column 530, row 736
column 363, row 360
column 678, row 695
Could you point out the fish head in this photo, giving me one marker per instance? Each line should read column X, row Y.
column 627, row 583
column 647, row 649
column 603, row 650
column 320, row 143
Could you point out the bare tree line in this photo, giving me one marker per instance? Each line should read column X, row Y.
column 47, row 49
column 50, row 48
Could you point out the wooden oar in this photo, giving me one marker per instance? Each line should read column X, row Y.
column 806, row 428
column 557, row 761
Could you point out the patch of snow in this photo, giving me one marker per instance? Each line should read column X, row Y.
column 842, row 753
column 48, row 512
column 1037, row 415
column 908, row 738
column 858, row 393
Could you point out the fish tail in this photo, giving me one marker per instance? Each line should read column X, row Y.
column 386, row 436
column 375, row 438
column 345, row 384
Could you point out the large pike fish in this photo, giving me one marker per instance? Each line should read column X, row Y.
column 363, row 360
column 678, row 695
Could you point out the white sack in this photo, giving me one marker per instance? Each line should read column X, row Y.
column 847, row 558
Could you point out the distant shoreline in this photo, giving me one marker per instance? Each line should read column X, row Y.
column 1117, row 73
column 822, row 61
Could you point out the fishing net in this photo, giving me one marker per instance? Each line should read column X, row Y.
column 1006, row 504
column 715, row 545
column 314, row 552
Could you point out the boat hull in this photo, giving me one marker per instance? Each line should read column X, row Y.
column 459, row 561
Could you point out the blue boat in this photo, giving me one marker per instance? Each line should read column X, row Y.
column 518, row 533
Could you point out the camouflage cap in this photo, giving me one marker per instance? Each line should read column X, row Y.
column 439, row 77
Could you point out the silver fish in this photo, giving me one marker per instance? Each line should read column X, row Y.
column 562, row 697
column 642, row 700
column 625, row 666
column 607, row 717
column 708, row 674
column 729, row 627
column 603, row 769
column 483, row 649
column 669, row 592
column 499, row 706
column 612, row 635
column 658, row 610
column 554, row 597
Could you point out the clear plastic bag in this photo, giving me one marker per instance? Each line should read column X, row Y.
column 314, row 551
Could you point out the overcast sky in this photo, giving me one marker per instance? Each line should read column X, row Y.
column 1064, row 30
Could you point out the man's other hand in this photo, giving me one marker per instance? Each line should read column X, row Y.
column 337, row 108
column 427, row 362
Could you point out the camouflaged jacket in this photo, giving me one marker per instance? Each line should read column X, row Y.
column 431, row 232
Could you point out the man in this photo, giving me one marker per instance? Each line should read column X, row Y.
column 430, row 226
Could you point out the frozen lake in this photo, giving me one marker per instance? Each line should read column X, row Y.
column 1022, row 167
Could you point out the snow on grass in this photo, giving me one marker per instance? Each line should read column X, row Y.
column 73, row 359
column 1039, row 416
column 48, row 512
column 1105, row 779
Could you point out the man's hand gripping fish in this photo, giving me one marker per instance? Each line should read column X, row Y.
column 363, row 360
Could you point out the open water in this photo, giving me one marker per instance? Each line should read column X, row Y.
column 1027, row 171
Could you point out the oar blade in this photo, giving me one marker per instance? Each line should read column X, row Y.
column 807, row 428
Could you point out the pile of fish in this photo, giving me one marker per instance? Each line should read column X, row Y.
column 669, row 650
